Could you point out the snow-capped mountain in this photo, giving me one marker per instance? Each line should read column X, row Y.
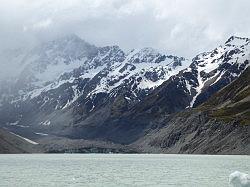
column 208, row 73
column 219, row 67
column 216, row 69
column 71, row 88
column 68, row 71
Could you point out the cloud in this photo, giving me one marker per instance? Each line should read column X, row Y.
column 176, row 26
column 43, row 24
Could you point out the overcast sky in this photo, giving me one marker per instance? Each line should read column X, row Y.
column 181, row 27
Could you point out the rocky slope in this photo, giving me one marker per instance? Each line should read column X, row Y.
column 12, row 143
column 219, row 126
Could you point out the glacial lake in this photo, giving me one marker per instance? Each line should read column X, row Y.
column 115, row 170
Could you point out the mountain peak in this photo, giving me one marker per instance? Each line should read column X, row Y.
column 68, row 46
column 70, row 38
column 237, row 41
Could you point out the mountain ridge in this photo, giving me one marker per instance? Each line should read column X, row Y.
column 113, row 96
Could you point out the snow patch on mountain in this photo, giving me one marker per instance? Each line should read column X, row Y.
column 137, row 64
column 26, row 139
column 55, row 70
column 236, row 51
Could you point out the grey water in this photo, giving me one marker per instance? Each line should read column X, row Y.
column 117, row 170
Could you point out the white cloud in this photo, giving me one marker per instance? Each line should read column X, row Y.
column 43, row 24
column 178, row 26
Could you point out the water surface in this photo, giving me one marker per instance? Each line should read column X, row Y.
column 119, row 170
